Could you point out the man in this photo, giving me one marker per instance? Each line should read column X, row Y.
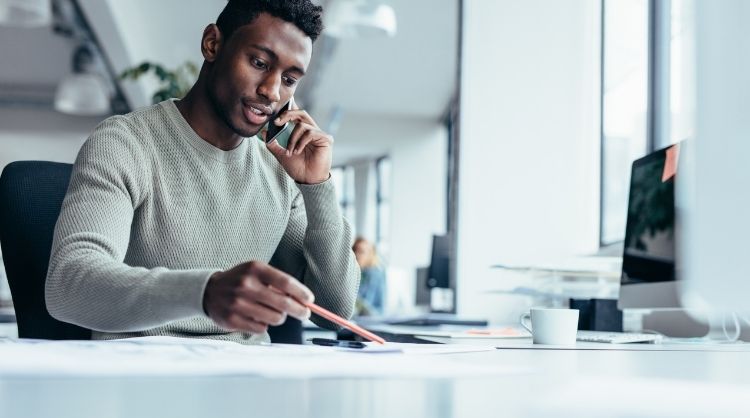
column 165, row 200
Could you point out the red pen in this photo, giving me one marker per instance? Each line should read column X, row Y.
column 325, row 313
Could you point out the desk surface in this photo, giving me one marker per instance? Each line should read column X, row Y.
column 563, row 383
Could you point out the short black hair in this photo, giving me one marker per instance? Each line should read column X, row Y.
column 302, row 13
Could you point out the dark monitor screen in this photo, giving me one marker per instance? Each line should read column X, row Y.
column 649, row 253
column 439, row 270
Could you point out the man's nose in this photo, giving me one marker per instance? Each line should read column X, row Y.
column 270, row 88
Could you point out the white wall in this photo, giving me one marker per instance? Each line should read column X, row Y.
column 418, row 152
column 41, row 135
column 712, row 194
column 529, row 163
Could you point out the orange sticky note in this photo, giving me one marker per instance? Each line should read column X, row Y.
column 670, row 165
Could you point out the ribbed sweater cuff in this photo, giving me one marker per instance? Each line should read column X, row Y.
column 184, row 290
column 321, row 205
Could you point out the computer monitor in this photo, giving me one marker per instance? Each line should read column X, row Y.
column 714, row 201
column 438, row 274
column 648, row 278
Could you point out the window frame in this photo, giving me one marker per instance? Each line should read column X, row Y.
column 657, row 91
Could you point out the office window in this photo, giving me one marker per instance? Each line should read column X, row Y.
column 377, row 200
column 681, row 76
column 383, row 203
column 625, row 98
column 343, row 181
column 647, row 94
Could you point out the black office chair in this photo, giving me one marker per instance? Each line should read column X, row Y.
column 31, row 194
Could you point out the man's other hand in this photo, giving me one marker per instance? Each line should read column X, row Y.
column 241, row 298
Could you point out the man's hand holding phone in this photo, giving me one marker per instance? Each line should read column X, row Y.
column 308, row 155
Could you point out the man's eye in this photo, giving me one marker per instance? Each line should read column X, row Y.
column 290, row 81
column 259, row 64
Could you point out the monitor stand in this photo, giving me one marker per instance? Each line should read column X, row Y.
column 677, row 323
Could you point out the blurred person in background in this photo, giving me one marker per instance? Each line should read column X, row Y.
column 372, row 283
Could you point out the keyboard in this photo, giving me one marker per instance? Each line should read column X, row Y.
column 617, row 337
column 427, row 321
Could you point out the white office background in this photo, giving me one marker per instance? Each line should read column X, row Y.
column 400, row 199
column 38, row 135
column 529, row 159
column 530, row 184
column 625, row 67
column 647, row 93
column 552, row 115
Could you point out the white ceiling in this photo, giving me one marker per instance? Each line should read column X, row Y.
column 411, row 74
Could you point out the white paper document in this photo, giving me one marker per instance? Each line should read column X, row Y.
column 166, row 356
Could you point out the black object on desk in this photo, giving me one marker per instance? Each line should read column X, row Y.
column 337, row 343
column 430, row 321
column 598, row 314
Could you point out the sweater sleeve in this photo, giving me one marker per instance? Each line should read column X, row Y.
column 88, row 284
column 316, row 248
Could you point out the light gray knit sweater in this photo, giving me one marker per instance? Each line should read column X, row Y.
column 153, row 210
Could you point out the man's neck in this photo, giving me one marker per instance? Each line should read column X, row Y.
column 200, row 115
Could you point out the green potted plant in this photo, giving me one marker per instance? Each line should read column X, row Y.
column 172, row 83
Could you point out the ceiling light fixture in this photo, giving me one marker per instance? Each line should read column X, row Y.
column 84, row 92
column 26, row 13
column 359, row 19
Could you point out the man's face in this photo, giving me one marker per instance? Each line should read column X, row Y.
column 257, row 71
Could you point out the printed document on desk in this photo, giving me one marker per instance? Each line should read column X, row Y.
column 165, row 356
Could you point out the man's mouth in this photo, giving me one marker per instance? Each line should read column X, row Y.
column 256, row 114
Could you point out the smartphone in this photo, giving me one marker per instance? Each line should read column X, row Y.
column 280, row 133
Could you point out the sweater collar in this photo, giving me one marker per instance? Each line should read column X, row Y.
column 199, row 143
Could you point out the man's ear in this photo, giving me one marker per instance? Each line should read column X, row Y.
column 211, row 42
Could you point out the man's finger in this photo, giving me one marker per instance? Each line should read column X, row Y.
column 260, row 313
column 299, row 130
column 238, row 322
column 281, row 281
column 299, row 116
column 308, row 137
column 276, row 301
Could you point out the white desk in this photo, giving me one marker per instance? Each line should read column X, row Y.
column 563, row 383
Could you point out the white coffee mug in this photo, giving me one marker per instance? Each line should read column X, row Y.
column 551, row 325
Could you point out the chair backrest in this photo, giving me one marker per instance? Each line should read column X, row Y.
column 31, row 194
